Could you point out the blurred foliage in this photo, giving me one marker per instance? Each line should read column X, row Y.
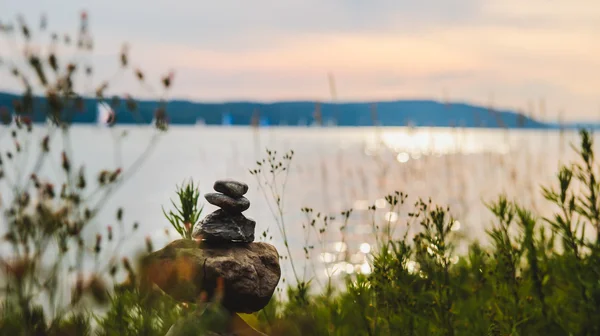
column 133, row 312
column 54, row 269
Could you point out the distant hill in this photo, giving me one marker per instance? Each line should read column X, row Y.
column 302, row 113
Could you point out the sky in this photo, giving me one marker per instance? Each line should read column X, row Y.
column 541, row 57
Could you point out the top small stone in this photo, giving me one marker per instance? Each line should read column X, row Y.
column 231, row 188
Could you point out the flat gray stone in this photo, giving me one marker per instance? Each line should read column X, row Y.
column 228, row 203
column 231, row 188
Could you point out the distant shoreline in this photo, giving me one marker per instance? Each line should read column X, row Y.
column 400, row 113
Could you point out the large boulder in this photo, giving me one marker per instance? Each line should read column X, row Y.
column 186, row 268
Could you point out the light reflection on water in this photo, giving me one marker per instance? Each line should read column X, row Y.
column 432, row 141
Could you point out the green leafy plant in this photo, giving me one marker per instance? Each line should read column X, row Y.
column 187, row 212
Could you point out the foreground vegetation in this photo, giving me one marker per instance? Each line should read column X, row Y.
column 538, row 276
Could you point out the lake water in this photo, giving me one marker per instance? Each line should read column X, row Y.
column 333, row 169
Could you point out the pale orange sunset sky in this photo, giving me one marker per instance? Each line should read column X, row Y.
column 511, row 52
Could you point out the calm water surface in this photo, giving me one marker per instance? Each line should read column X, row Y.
column 332, row 170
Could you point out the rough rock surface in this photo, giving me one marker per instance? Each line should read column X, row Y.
column 231, row 188
column 223, row 227
column 186, row 268
column 228, row 203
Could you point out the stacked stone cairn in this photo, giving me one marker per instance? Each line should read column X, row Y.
column 228, row 224
column 222, row 251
